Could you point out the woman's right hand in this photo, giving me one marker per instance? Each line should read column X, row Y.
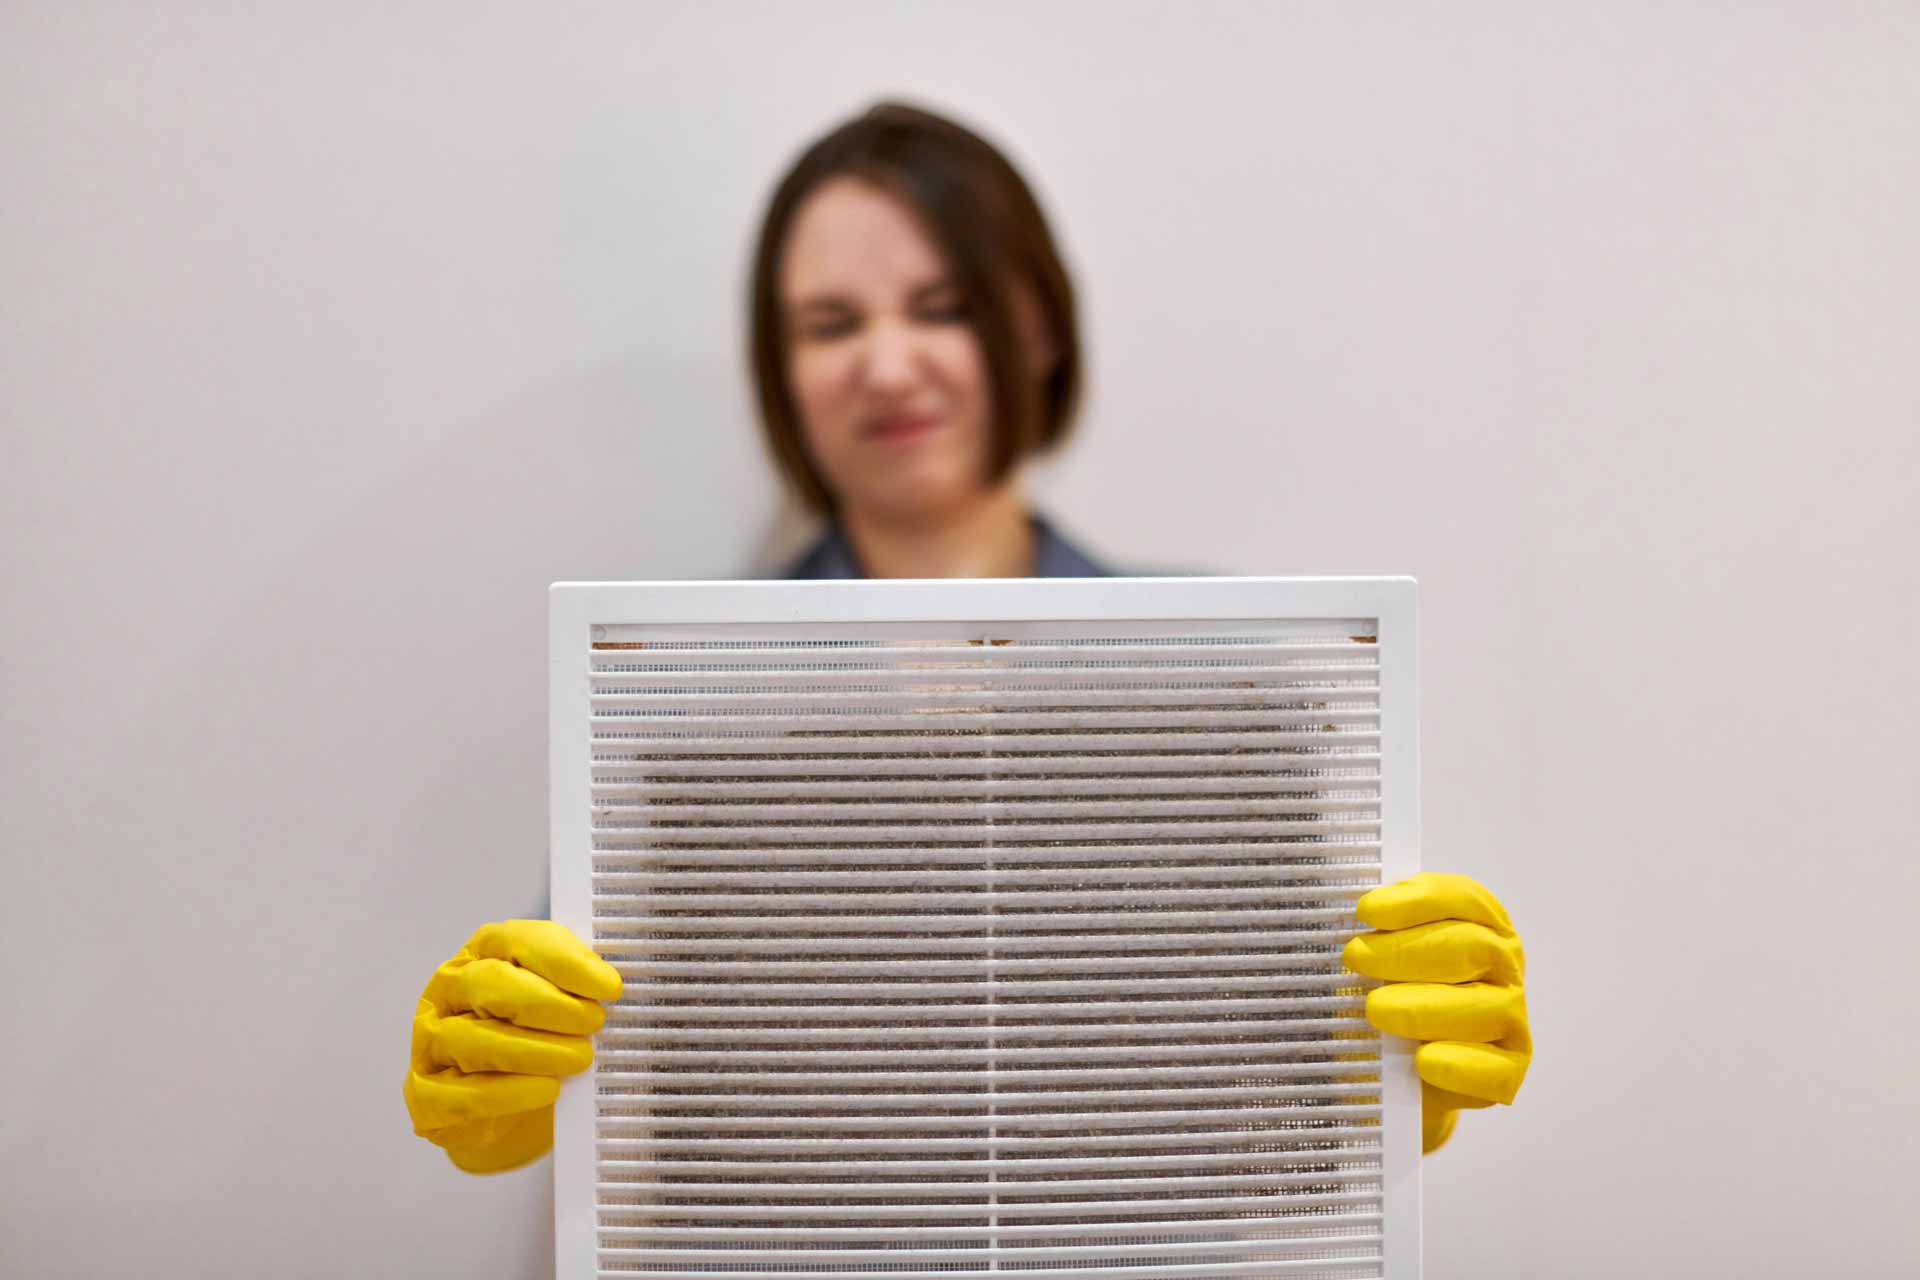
column 495, row 1029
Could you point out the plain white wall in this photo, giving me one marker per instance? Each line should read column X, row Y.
column 331, row 333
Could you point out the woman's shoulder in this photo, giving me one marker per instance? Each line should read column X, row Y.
column 1055, row 557
column 1058, row 557
column 830, row 556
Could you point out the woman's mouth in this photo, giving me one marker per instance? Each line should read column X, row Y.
column 901, row 428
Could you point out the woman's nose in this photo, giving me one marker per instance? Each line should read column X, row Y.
column 892, row 356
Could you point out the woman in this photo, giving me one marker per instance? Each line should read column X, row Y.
column 914, row 344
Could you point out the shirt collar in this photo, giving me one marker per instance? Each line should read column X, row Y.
column 1053, row 557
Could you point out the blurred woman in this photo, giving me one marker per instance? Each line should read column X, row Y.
column 914, row 344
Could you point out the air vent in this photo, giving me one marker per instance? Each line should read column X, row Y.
column 991, row 945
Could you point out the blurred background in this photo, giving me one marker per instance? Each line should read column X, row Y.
column 331, row 334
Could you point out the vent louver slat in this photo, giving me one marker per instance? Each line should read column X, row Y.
column 951, row 953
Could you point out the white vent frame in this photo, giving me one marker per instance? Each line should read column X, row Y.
column 688, row 608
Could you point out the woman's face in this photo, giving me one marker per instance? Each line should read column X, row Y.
column 890, row 383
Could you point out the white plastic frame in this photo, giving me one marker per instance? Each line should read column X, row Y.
column 576, row 608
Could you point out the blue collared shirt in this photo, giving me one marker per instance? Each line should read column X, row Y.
column 1053, row 557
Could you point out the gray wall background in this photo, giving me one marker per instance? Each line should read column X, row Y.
column 330, row 334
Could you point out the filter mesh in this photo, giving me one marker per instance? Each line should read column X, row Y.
column 958, row 953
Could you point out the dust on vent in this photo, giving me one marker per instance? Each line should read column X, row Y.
column 963, row 947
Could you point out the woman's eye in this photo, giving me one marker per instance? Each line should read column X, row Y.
column 826, row 329
column 945, row 311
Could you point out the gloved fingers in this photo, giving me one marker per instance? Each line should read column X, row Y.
column 1430, row 896
column 1439, row 1111
column 1476, row 1075
column 473, row 1043
column 1476, row 1011
column 550, row 950
column 1444, row 951
column 495, row 1146
column 1449, row 1099
column 439, row 1100
column 1436, row 1123
column 505, row 991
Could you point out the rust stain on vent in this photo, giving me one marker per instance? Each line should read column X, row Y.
column 619, row 644
column 1364, row 639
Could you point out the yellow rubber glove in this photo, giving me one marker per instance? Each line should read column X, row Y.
column 496, row 1028
column 1454, row 972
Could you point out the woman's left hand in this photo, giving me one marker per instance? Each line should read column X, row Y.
column 1454, row 973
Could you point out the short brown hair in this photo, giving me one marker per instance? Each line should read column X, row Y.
column 979, row 211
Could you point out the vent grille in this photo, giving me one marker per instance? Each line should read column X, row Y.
column 949, row 954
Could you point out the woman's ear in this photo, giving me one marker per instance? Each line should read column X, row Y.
column 1037, row 340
